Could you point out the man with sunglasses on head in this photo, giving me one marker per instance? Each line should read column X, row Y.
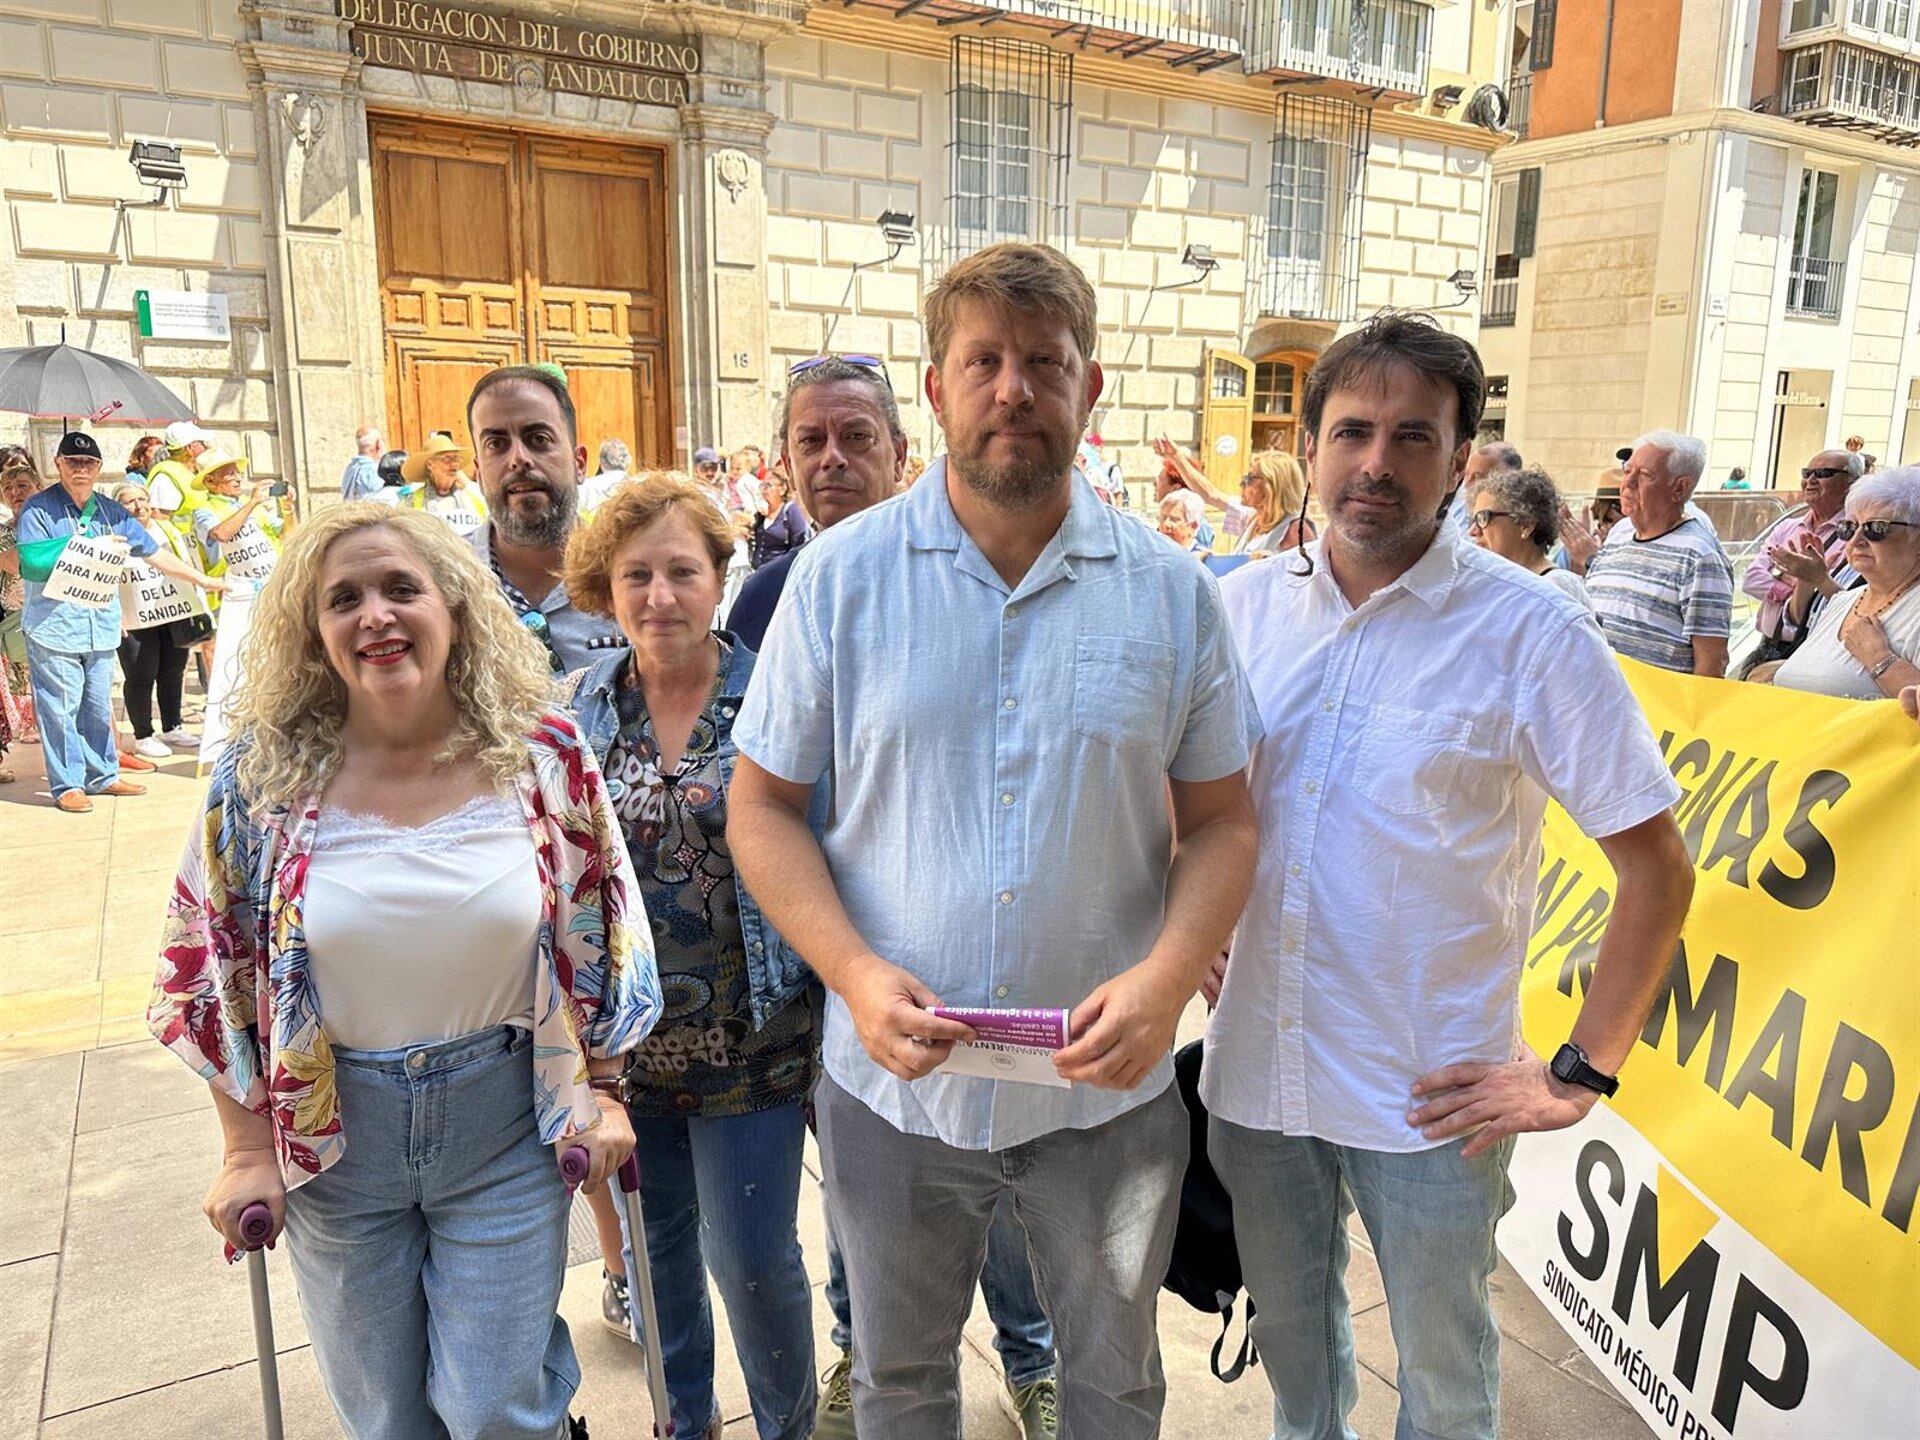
column 1797, row 543
column 1663, row 594
column 529, row 461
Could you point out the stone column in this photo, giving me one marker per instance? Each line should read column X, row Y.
column 323, row 281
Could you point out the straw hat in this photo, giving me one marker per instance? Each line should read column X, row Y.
column 211, row 460
column 414, row 472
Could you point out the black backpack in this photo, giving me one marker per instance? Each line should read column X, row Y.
column 1205, row 1270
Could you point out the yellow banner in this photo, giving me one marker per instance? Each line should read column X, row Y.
column 1779, row 1073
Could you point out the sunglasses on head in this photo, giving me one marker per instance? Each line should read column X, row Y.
column 1874, row 530
column 1822, row 472
column 865, row 362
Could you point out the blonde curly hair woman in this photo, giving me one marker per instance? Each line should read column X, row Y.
column 403, row 839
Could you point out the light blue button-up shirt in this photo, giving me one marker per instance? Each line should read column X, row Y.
column 999, row 759
column 56, row 624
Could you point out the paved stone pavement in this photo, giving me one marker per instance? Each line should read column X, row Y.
column 117, row 1317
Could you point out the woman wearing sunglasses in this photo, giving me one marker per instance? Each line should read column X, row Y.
column 1865, row 642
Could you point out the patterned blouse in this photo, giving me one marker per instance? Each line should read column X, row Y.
column 235, row 997
column 704, row 1058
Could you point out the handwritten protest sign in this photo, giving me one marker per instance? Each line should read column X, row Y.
column 88, row 573
column 148, row 598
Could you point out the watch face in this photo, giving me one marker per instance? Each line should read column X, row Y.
column 1566, row 1064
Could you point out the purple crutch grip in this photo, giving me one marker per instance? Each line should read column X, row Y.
column 256, row 1226
column 574, row 1165
column 629, row 1175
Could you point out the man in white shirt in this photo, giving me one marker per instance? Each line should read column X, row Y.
column 1421, row 700
column 615, row 460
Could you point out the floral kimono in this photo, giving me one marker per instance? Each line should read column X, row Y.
column 235, row 998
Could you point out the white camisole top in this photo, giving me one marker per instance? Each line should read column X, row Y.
column 417, row 934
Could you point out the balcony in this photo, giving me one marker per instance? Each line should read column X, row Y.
column 1378, row 45
column 1885, row 25
column 1520, row 102
column 1852, row 88
column 1813, row 287
column 1502, row 299
column 1203, row 34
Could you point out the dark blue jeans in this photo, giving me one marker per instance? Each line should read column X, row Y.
column 1022, row 1334
column 723, row 1195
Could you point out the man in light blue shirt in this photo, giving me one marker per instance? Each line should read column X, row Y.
column 1000, row 836
column 361, row 479
column 70, row 647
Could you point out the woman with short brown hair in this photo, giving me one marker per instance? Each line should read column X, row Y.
column 717, row 1093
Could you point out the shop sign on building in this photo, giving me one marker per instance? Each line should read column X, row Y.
column 469, row 43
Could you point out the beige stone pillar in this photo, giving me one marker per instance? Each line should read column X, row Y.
column 323, row 282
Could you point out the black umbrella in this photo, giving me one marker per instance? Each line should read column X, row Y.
column 57, row 381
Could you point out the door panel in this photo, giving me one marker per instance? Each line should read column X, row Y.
column 498, row 248
column 1226, row 424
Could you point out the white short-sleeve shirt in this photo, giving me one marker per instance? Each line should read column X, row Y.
column 1409, row 748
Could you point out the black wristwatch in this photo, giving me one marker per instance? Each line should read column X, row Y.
column 1571, row 1067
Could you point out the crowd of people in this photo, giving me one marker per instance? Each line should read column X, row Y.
column 683, row 841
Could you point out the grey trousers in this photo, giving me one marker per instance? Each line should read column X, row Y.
column 911, row 1213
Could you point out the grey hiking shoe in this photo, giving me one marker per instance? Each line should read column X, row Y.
column 1038, row 1405
column 613, row 1305
column 834, row 1419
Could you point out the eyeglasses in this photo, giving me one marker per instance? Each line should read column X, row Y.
column 1822, row 472
column 1480, row 519
column 865, row 362
column 1875, row 531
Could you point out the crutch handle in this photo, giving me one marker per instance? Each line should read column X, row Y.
column 256, row 1226
column 630, row 1175
column 574, row 1165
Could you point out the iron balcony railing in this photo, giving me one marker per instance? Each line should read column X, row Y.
column 1376, row 44
column 1520, row 102
column 1502, row 300
column 1203, row 34
column 1813, row 287
column 1853, row 88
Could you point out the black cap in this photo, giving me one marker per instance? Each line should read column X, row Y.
column 78, row 445
column 1623, row 454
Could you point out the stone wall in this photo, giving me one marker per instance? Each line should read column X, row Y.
column 1889, row 244
column 860, row 129
column 1746, row 388
column 1584, row 363
column 80, row 80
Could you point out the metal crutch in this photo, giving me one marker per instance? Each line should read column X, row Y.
column 256, row 1228
column 573, row 1166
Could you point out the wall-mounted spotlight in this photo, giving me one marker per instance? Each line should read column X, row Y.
column 155, row 164
column 1465, row 281
column 1200, row 257
column 896, row 228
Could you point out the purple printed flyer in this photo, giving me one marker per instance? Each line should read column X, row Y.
column 1012, row 1044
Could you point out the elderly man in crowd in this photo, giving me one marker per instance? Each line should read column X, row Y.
column 1423, row 699
column 839, row 430
column 1664, row 593
column 1824, row 482
column 71, row 646
column 361, row 479
column 1489, row 459
column 529, row 460
column 616, row 463
column 1080, row 731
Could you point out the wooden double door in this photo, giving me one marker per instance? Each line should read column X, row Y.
column 498, row 248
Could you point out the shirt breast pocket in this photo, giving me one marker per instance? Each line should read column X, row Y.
column 1122, row 689
column 1408, row 760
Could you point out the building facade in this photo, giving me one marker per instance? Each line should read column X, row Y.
column 1711, row 223
column 676, row 201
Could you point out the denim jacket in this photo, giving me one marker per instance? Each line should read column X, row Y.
column 775, row 971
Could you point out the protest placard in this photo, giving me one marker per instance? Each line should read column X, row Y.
column 88, row 572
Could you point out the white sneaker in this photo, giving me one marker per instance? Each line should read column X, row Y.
column 179, row 739
column 153, row 747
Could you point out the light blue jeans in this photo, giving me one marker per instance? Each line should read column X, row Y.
column 73, row 698
column 430, row 1256
column 1430, row 1216
column 1022, row 1334
column 723, row 1194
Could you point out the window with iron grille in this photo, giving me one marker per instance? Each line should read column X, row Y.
column 1011, row 117
column 1313, row 207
